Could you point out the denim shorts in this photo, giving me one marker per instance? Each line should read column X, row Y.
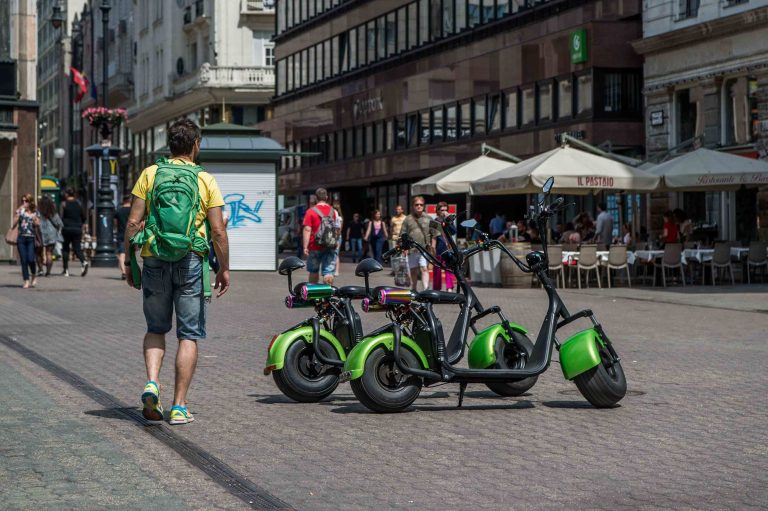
column 176, row 285
column 322, row 261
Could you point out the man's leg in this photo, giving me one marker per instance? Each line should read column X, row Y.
column 186, row 362
column 154, row 351
column 425, row 277
column 414, row 278
column 313, row 267
column 328, row 266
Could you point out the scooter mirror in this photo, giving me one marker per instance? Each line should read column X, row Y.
column 548, row 184
column 469, row 224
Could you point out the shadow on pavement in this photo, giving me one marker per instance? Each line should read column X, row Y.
column 113, row 413
column 517, row 405
column 567, row 404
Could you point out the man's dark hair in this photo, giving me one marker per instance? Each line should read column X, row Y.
column 69, row 192
column 321, row 194
column 602, row 206
column 182, row 136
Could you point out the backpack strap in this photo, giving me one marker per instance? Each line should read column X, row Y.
column 206, row 265
column 319, row 213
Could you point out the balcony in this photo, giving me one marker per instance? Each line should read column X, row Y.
column 258, row 14
column 258, row 6
column 217, row 77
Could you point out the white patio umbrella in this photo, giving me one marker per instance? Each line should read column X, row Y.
column 575, row 172
column 705, row 169
column 457, row 179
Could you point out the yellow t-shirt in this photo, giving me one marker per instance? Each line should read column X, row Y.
column 210, row 196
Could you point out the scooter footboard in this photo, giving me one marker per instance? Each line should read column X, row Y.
column 278, row 348
column 580, row 353
column 355, row 362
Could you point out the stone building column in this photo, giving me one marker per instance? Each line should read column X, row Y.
column 761, row 144
column 658, row 141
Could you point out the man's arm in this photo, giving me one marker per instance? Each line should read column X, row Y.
column 221, row 247
column 305, row 239
column 135, row 217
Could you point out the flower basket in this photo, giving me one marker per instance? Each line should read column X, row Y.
column 98, row 116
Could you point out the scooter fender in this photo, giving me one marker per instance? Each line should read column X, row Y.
column 276, row 354
column 580, row 353
column 481, row 352
column 354, row 366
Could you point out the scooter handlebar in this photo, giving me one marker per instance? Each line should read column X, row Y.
column 389, row 253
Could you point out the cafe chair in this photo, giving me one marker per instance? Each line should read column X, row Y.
column 617, row 259
column 757, row 258
column 721, row 259
column 672, row 259
column 556, row 263
column 588, row 262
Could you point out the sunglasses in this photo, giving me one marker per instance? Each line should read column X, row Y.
column 419, row 204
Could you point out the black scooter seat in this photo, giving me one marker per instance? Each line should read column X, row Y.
column 352, row 292
column 440, row 297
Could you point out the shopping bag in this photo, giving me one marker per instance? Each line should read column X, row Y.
column 400, row 267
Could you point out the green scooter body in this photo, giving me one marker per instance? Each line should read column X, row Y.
column 580, row 353
column 276, row 355
column 481, row 350
column 355, row 362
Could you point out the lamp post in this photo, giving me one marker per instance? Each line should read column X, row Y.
column 105, row 247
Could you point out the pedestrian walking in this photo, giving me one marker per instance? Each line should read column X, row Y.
column 355, row 237
column 121, row 220
column 396, row 225
column 50, row 227
column 417, row 226
column 176, row 278
column 73, row 218
column 340, row 227
column 440, row 245
column 377, row 235
column 319, row 239
column 27, row 219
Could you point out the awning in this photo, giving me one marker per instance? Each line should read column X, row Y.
column 705, row 169
column 457, row 179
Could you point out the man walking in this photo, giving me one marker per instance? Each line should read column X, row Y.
column 396, row 225
column 73, row 218
column 181, row 284
column 604, row 227
column 417, row 226
column 320, row 237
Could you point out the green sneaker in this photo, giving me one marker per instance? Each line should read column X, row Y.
column 153, row 410
column 180, row 415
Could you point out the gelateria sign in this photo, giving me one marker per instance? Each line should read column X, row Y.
column 367, row 106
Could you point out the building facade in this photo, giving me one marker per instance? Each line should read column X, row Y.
column 385, row 93
column 54, row 89
column 209, row 61
column 18, row 110
column 706, row 83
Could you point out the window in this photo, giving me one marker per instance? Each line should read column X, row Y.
column 465, row 119
column 282, row 16
column 438, row 129
column 450, row 122
column 326, row 59
column 544, row 100
column 412, row 25
column 529, row 106
column 389, row 135
column 402, row 29
column 381, row 42
column 461, row 15
column 436, row 19
column 511, row 110
column 448, row 16
column 370, row 146
column 391, row 34
column 423, row 21
column 612, row 92
column 331, row 144
column 269, row 54
column 311, row 72
column 352, row 41
column 338, row 54
column 564, row 98
column 359, row 141
column 473, row 12
column 399, row 132
column 494, row 113
column 304, row 68
column 362, row 54
column 348, row 144
column 502, row 8
column 281, row 74
column 686, row 115
column 380, row 135
column 289, row 73
column 584, row 94
column 426, row 127
column 489, row 10
column 687, row 9
column 371, row 41
column 412, row 127
column 193, row 57
column 311, row 12
column 478, row 116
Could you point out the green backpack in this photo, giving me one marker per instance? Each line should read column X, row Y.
column 174, row 203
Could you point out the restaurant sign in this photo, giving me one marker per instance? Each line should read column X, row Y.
column 742, row 179
column 595, row 181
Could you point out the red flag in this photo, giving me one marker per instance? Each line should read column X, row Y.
column 82, row 83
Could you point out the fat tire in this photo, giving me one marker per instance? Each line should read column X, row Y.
column 511, row 388
column 295, row 384
column 375, row 395
column 601, row 388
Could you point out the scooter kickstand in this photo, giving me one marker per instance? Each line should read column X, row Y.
column 462, row 388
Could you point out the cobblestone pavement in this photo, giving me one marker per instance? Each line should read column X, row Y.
column 689, row 435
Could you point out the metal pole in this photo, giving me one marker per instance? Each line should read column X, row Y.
column 105, row 247
column 485, row 149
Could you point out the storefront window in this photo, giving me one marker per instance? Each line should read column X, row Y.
column 426, row 128
column 479, row 116
column 584, row 94
column 564, row 98
column 402, row 28
column 412, row 25
column 529, row 106
column 465, row 118
column 510, row 109
column 438, row 129
column 545, row 101
column 450, row 122
column 494, row 113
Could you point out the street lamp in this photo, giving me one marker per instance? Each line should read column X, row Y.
column 105, row 247
column 57, row 18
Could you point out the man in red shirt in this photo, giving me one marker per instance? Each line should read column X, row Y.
column 320, row 239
